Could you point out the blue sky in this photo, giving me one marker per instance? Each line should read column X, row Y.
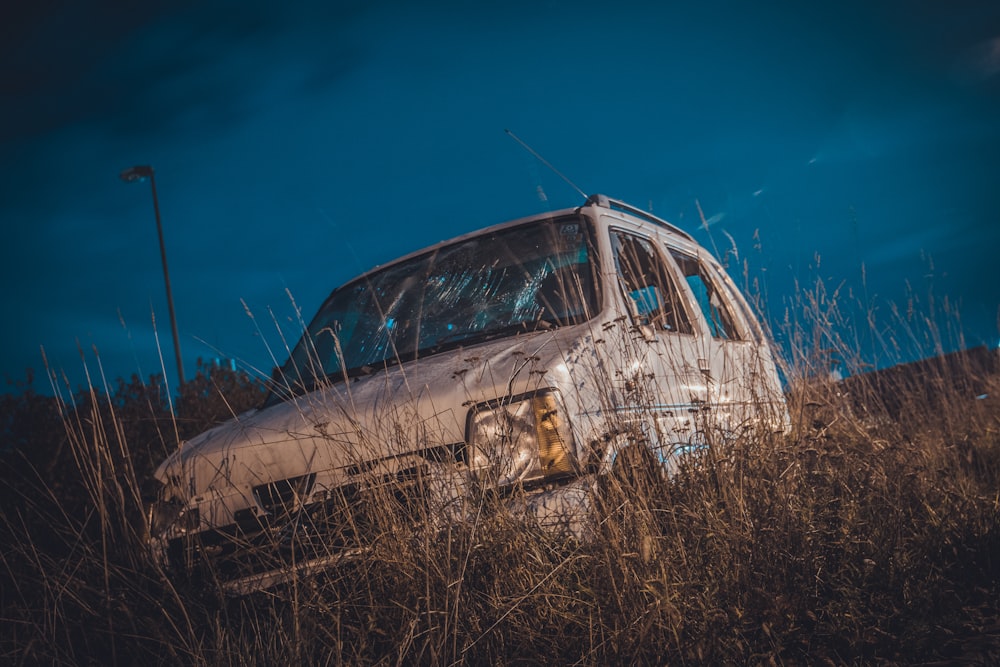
column 296, row 144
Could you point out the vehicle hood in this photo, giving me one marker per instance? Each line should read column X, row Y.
column 388, row 415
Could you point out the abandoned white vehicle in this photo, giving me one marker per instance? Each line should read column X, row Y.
column 524, row 358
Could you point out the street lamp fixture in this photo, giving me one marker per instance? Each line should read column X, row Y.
column 141, row 173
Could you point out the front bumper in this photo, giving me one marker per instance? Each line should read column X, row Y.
column 258, row 551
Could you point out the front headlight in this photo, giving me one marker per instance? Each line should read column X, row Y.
column 522, row 438
column 165, row 510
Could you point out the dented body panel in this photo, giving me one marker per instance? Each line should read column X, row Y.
column 522, row 358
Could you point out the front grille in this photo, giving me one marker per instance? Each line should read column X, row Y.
column 302, row 523
column 285, row 495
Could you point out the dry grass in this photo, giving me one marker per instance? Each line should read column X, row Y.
column 869, row 534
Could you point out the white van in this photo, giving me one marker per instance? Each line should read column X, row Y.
column 523, row 358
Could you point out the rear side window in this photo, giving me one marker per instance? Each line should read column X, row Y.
column 711, row 296
column 651, row 292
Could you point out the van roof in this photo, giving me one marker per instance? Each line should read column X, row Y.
column 604, row 201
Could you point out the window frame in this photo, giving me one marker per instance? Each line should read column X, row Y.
column 684, row 322
column 709, row 274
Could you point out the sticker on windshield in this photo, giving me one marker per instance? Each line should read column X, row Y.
column 569, row 229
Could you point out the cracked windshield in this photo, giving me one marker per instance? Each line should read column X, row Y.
column 526, row 278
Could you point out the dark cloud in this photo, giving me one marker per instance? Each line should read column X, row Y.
column 138, row 66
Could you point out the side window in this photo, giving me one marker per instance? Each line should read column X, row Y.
column 710, row 296
column 653, row 296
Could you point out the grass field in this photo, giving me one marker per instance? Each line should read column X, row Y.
column 868, row 534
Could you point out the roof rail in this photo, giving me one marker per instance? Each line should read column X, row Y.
column 617, row 205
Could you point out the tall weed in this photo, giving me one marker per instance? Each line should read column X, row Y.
column 869, row 533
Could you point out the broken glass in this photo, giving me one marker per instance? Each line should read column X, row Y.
column 521, row 279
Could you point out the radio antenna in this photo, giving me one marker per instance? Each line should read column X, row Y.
column 545, row 162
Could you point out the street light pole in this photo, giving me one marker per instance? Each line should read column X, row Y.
column 141, row 173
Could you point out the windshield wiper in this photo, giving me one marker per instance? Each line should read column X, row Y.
column 470, row 337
